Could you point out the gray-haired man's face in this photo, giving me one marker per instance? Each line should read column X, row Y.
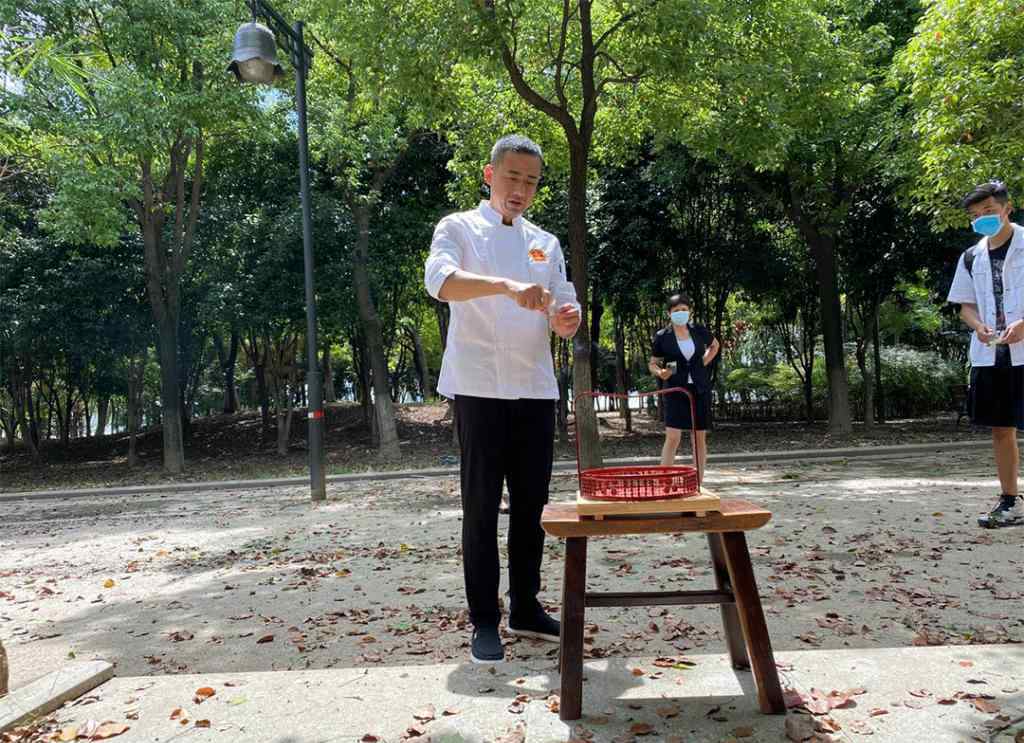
column 513, row 183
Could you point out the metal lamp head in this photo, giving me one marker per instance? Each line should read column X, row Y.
column 255, row 56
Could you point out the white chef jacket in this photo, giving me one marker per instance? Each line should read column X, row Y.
column 496, row 348
column 976, row 288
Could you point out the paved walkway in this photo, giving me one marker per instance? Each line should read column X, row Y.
column 789, row 455
column 938, row 695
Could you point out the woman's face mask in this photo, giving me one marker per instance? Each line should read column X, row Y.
column 680, row 317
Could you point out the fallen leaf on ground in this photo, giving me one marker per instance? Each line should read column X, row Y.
column 203, row 693
column 641, row 728
column 426, row 714
column 743, row 732
column 983, row 705
column 265, row 639
column 202, row 723
column 109, row 583
column 176, row 713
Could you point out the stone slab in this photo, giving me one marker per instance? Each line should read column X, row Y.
column 46, row 694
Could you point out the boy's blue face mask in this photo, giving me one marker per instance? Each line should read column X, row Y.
column 680, row 317
column 988, row 225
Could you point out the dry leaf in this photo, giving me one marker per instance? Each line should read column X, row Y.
column 983, row 705
column 176, row 713
column 743, row 732
column 203, row 693
column 202, row 723
column 641, row 728
column 449, row 712
column 426, row 714
column 369, row 738
column 109, row 730
column 109, row 583
column 265, row 639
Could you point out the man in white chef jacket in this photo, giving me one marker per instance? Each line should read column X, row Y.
column 505, row 280
column 989, row 287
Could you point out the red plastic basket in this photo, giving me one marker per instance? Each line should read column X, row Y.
column 641, row 482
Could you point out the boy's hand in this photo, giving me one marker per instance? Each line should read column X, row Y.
column 985, row 333
column 1014, row 332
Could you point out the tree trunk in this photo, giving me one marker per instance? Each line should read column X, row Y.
column 443, row 313
column 228, row 359
column 102, row 415
column 596, row 313
column 330, row 394
column 586, row 419
column 877, row 348
column 21, row 394
column 426, row 383
column 136, row 377
column 170, row 396
column 387, row 442
column 868, row 381
column 824, row 252
column 562, row 418
column 621, row 373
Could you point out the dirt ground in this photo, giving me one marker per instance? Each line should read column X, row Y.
column 860, row 554
column 230, row 447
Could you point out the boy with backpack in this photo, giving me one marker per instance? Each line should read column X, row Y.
column 989, row 287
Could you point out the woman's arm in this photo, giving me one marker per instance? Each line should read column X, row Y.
column 656, row 370
column 711, row 352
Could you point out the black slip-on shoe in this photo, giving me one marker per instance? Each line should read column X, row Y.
column 486, row 646
column 540, row 626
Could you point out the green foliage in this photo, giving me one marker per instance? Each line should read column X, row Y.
column 964, row 76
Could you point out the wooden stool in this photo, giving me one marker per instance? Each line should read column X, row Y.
column 742, row 616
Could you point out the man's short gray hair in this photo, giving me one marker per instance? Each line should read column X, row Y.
column 515, row 143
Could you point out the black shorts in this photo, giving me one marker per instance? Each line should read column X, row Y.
column 677, row 409
column 996, row 396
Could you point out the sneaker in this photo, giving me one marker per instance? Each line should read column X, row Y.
column 541, row 626
column 486, row 646
column 1008, row 513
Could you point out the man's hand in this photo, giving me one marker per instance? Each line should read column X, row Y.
column 566, row 321
column 1014, row 332
column 985, row 333
column 528, row 296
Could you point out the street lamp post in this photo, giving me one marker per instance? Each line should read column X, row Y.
column 255, row 60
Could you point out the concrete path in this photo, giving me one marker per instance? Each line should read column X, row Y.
column 926, row 695
column 766, row 457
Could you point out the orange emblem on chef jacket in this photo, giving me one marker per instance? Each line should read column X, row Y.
column 538, row 256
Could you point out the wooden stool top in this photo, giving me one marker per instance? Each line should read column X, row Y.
column 562, row 520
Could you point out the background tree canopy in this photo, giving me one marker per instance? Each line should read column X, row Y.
column 794, row 165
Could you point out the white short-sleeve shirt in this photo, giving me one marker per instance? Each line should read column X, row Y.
column 495, row 348
column 975, row 287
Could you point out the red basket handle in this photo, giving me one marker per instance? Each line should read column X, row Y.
column 625, row 395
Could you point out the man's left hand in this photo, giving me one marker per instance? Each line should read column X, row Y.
column 566, row 321
column 1014, row 332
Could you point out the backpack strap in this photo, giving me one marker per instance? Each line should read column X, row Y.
column 969, row 256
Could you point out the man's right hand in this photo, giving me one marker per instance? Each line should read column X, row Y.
column 985, row 333
column 529, row 296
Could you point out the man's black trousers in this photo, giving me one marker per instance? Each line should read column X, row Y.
column 503, row 441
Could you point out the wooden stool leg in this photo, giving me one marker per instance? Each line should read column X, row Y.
column 755, row 631
column 574, row 586
column 730, row 616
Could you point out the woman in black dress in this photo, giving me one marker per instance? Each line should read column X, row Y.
column 679, row 357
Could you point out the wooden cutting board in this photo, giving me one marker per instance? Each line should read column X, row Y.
column 699, row 504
